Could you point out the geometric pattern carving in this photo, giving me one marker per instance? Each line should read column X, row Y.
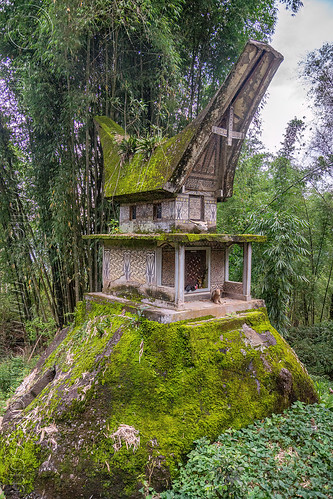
column 233, row 287
column 217, row 269
column 106, row 265
column 150, row 271
column 115, row 268
column 195, row 269
column 124, row 211
column 138, row 266
column 210, row 212
column 127, row 265
column 195, row 207
column 181, row 209
column 213, row 213
column 201, row 184
column 168, row 267
column 168, row 210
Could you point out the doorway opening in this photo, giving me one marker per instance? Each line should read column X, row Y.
column 197, row 265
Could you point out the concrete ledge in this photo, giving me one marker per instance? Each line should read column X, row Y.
column 190, row 310
column 178, row 237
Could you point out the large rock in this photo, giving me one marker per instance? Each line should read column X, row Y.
column 118, row 400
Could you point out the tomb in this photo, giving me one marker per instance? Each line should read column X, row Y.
column 167, row 254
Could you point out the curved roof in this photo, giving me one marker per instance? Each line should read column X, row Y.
column 173, row 162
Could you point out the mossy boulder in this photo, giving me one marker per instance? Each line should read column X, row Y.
column 126, row 398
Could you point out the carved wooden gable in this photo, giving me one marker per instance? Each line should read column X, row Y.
column 204, row 176
column 211, row 166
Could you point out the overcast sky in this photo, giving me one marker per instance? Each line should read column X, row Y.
column 294, row 37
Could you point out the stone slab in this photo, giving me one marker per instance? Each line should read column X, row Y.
column 190, row 310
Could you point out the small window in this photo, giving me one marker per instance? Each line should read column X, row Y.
column 157, row 211
column 133, row 212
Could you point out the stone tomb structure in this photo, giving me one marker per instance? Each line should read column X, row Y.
column 171, row 269
column 167, row 252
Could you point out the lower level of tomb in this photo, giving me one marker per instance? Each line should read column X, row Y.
column 178, row 272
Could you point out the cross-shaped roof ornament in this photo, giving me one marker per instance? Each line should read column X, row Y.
column 229, row 133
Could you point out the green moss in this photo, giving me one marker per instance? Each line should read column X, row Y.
column 135, row 239
column 80, row 312
column 172, row 383
column 139, row 175
column 19, row 460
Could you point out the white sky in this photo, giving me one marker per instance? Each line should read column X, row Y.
column 295, row 37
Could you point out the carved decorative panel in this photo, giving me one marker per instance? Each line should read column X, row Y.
column 196, row 207
column 217, row 269
column 233, row 287
column 200, row 184
column 106, row 265
column 138, row 266
column 127, row 265
column 196, row 270
column 182, row 209
column 124, row 213
column 113, row 266
column 150, row 269
column 168, row 267
column 210, row 211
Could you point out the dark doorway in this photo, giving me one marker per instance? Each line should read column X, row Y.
column 196, row 269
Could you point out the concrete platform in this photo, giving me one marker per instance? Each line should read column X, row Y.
column 190, row 310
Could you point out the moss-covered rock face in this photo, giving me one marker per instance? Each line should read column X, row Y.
column 130, row 396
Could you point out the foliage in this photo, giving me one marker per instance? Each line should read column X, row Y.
column 314, row 347
column 276, row 262
column 38, row 328
column 317, row 70
column 12, row 334
column 12, row 372
column 283, row 456
column 324, row 389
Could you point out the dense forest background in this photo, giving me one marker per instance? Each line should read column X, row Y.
column 150, row 65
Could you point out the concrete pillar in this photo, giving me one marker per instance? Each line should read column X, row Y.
column 158, row 266
column 247, row 259
column 179, row 275
column 226, row 263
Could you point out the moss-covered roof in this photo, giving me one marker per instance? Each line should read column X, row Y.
column 180, row 237
column 138, row 174
column 168, row 168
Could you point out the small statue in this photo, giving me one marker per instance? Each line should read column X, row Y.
column 216, row 296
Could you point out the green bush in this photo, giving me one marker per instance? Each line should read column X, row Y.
column 314, row 347
column 325, row 391
column 284, row 456
column 12, row 372
column 40, row 329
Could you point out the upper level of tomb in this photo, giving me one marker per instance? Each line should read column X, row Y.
column 187, row 174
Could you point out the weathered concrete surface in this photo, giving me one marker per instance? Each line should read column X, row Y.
column 191, row 309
